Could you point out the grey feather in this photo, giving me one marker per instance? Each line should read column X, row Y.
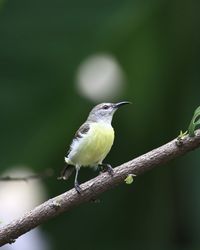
column 83, row 130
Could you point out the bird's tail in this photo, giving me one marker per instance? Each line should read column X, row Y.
column 66, row 172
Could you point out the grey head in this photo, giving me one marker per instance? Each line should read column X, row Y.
column 104, row 112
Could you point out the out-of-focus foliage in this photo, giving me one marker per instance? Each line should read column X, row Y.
column 157, row 45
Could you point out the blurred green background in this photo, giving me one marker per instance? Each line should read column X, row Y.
column 156, row 44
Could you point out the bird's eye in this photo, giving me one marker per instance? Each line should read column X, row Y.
column 105, row 107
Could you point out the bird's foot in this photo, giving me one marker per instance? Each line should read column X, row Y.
column 77, row 187
column 110, row 169
column 106, row 167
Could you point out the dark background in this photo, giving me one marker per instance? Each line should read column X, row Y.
column 157, row 44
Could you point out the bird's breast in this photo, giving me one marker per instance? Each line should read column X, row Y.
column 93, row 147
column 102, row 137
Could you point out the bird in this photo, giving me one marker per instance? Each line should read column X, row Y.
column 92, row 142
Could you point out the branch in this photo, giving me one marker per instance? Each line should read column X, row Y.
column 45, row 174
column 97, row 186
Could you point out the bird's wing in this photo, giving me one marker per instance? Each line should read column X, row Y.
column 83, row 130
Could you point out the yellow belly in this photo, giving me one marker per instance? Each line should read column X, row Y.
column 94, row 146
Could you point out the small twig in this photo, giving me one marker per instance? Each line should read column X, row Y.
column 47, row 173
column 96, row 186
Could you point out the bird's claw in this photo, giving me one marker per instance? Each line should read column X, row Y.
column 106, row 167
column 110, row 169
column 77, row 187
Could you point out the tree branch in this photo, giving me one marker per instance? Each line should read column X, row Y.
column 97, row 186
column 45, row 174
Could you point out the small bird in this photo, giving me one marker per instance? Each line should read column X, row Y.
column 92, row 142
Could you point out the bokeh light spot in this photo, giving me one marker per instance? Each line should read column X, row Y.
column 100, row 78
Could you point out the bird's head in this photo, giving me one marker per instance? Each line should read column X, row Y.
column 105, row 111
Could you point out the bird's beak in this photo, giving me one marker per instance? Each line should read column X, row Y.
column 119, row 104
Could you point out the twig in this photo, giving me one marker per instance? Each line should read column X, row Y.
column 45, row 174
column 96, row 186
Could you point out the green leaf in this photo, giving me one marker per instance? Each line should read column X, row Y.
column 195, row 122
column 129, row 178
